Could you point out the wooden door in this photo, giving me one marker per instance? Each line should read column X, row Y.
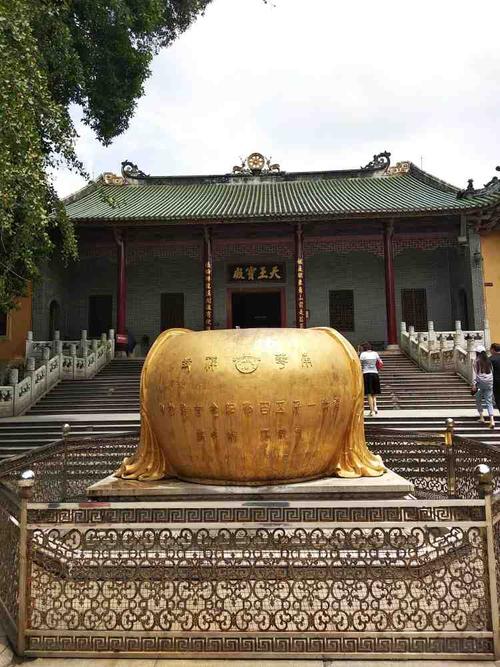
column 100, row 314
column 414, row 308
column 172, row 310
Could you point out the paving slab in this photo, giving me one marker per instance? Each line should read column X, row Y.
column 88, row 662
column 132, row 662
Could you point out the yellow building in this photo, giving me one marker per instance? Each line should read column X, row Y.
column 14, row 327
column 490, row 249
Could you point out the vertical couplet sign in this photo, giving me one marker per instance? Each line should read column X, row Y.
column 300, row 285
column 208, row 315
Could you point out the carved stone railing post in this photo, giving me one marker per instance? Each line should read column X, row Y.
column 458, row 336
column 487, row 335
column 29, row 344
column 431, row 338
column 57, row 338
column 13, row 376
column 111, row 338
column 30, row 365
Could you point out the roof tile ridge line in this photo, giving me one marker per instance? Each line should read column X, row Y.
column 432, row 180
column 88, row 188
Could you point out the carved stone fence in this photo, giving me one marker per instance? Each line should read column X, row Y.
column 48, row 362
column 306, row 578
column 444, row 350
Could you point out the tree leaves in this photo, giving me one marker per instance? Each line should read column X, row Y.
column 95, row 53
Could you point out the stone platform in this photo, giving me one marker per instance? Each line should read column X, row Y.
column 388, row 486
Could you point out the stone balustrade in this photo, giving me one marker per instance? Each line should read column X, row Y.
column 444, row 350
column 48, row 362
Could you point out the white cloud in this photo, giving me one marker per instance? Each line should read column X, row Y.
column 321, row 84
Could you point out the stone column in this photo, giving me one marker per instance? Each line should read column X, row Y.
column 121, row 288
column 208, row 302
column 390, row 288
column 300, row 280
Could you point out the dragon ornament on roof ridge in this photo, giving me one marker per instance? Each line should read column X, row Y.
column 380, row 161
column 492, row 187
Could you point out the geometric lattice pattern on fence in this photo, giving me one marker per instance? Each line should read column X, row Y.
column 253, row 578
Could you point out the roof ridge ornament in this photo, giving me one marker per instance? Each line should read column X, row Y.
column 256, row 164
column 490, row 188
column 109, row 178
column 379, row 161
column 131, row 170
column 399, row 168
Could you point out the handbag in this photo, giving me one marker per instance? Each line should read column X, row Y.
column 380, row 364
column 473, row 390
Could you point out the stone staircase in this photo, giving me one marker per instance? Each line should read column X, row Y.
column 100, row 406
column 114, row 390
column 407, row 387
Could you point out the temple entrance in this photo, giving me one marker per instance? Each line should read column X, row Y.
column 252, row 309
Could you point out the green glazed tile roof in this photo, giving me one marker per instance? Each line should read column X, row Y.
column 292, row 196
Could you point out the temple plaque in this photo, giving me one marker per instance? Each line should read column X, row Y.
column 251, row 407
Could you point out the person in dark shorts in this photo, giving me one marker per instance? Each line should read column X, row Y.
column 495, row 362
column 371, row 363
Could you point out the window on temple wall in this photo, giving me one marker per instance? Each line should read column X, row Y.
column 342, row 309
column 414, row 308
column 172, row 310
column 3, row 324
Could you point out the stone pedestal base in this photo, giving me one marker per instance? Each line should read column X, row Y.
column 388, row 486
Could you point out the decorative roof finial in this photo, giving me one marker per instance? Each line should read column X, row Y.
column 255, row 164
column 131, row 170
column 490, row 188
column 380, row 161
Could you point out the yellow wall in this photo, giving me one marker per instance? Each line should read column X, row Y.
column 490, row 248
column 18, row 324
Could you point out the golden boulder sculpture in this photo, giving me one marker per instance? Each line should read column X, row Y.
column 251, row 407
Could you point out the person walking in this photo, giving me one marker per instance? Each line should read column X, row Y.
column 495, row 363
column 371, row 363
column 482, row 384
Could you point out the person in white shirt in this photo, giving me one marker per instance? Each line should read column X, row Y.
column 371, row 363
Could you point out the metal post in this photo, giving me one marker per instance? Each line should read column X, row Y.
column 66, row 430
column 450, row 458
column 25, row 486
column 484, row 480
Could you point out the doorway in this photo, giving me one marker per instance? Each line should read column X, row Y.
column 100, row 314
column 172, row 310
column 414, row 308
column 54, row 318
column 251, row 309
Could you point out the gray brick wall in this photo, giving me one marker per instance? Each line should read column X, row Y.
column 53, row 285
column 442, row 271
column 361, row 272
column 429, row 270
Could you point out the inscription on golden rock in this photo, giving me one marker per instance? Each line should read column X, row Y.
column 246, row 363
column 217, row 420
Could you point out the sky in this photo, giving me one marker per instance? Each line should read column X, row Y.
column 318, row 84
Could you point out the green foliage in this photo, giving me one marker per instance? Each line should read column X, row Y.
column 53, row 53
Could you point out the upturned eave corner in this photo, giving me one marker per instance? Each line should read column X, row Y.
column 492, row 187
